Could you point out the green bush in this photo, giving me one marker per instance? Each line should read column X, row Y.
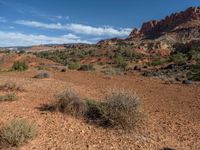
column 158, row 62
column 194, row 74
column 20, row 66
column 120, row 62
column 17, row 132
column 41, row 67
column 179, row 58
column 74, row 66
column 131, row 55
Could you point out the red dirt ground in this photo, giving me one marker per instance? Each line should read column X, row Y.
column 172, row 112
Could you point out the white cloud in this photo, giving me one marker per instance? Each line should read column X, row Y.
column 40, row 24
column 79, row 28
column 20, row 39
column 53, row 17
column 98, row 31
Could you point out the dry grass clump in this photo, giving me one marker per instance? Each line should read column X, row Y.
column 8, row 97
column 120, row 109
column 11, row 86
column 70, row 103
column 17, row 132
column 96, row 113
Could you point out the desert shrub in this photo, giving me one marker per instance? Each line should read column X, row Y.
column 20, row 66
column 95, row 109
column 158, row 62
column 112, row 71
column 74, row 66
column 17, row 132
column 88, row 67
column 22, row 52
column 194, row 54
column 131, row 55
column 8, row 97
column 70, row 103
column 179, row 58
column 96, row 113
column 66, row 56
column 101, row 63
column 41, row 67
column 11, row 86
column 42, row 75
column 194, row 74
column 120, row 62
column 120, row 109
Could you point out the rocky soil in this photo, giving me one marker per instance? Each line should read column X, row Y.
column 172, row 112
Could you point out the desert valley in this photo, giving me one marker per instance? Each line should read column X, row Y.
column 141, row 92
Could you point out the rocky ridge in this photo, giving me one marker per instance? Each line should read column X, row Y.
column 182, row 27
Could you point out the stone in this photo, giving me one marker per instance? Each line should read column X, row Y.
column 187, row 82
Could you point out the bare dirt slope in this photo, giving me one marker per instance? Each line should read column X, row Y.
column 172, row 112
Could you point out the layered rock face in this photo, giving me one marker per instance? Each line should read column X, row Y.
column 177, row 21
column 163, row 35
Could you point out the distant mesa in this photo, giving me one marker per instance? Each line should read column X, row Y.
column 182, row 27
column 178, row 21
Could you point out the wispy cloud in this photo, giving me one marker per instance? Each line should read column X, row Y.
column 98, row 31
column 2, row 19
column 20, row 39
column 78, row 28
column 51, row 17
column 41, row 25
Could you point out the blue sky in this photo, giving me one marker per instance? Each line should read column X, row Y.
column 32, row 22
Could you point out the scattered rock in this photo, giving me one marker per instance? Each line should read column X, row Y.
column 42, row 75
column 187, row 82
column 63, row 70
column 138, row 68
column 167, row 148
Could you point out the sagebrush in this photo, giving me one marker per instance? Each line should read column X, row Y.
column 70, row 103
column 11, row 86
column 119, row 109
column 17, row 132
